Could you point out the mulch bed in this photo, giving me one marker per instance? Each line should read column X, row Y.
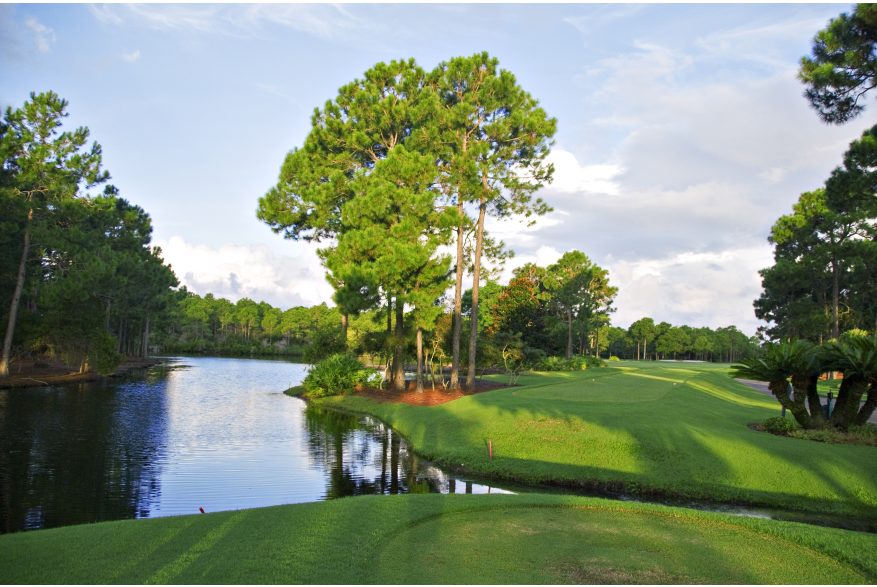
column 430, row 396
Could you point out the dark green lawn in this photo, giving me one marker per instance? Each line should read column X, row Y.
column 443, row 539
column 678, row 428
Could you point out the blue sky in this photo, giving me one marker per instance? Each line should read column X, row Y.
column 682, row 133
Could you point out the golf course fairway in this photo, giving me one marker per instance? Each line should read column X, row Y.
column 674, row 429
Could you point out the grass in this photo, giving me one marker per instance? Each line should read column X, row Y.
column 673, row 429
column 823, row 387
column 443, row 539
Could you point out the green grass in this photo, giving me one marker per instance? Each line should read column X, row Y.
column 443, row 539
column 674, row 429
column 832, row 385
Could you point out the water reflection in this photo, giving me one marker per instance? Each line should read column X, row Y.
column 363, row 456
column 204, row 432
column 78, row 454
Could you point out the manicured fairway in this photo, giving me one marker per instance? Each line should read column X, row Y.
column 443, row 539
column 681, row 429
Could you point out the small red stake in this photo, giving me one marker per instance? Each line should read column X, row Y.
column 490, row 449
column 202, row 510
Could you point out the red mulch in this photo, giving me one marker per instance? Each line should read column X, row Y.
column 430, row 396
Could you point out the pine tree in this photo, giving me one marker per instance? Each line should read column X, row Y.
column 494, row 140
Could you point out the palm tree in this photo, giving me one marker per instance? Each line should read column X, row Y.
column 857, row 359
column 799, row 360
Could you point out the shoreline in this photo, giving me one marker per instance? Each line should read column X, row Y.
column 31, row 379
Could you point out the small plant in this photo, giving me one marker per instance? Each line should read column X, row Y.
column 613, row 358
column 779, row 425
column 337, row 374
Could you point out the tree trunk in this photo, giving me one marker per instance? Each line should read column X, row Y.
column 476, row 280
column 868, row 408
column 795, row 405
column 637, row 350
column 569, row 333
column 835, row 293
column 344, row 327
column 13, row 308
column 817, row 416
column 146, row 339
column 458, row 308
column 419, row 359
column 398, row 360
column 849, row 398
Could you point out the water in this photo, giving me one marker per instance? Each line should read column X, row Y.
column 201, row 432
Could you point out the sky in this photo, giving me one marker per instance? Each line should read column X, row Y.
column 682, row 131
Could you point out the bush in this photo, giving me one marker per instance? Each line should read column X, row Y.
column 576, row 363
column 594, row 362
column 337, row 374
column 779, row 425
column 613, row 358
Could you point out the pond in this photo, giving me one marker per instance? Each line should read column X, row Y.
column 212, row 433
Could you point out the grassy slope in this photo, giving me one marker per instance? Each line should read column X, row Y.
column 679, row 429
column 443, row 539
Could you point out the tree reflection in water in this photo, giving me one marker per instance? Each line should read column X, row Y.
column 78, row 454
column 362, row 456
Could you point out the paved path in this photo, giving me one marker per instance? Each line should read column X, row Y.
column 763, row 388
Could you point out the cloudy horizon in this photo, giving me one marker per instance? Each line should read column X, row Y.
column 682, row 130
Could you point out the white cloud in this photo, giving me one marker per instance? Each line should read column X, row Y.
column 131, row 57
column 42, row 34
column 715, row 289
column 569, row 176
column 328, row 21
column 252, row 271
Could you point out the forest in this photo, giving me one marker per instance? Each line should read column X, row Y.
column 79, row 280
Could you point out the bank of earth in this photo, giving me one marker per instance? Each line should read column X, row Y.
column 444, row 539
column 679, row 430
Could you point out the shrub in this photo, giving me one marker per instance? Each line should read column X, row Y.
column 613, row 358
column 779, row 425
column 576, row 363
column 337, row 374
column 594, row 362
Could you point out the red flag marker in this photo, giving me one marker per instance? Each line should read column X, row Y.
column 202, row 510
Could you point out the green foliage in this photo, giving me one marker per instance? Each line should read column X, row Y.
column 858, row 435
column 614, row 358
column 779, row 425
column 574, row 363
column 92, row 282
column 338, row 374
column 843, row 66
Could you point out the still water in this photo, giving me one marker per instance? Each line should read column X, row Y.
column 212, row 433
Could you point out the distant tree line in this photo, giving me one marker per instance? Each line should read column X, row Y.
column 645, row 340
column 78, row 277
column 211, row 325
